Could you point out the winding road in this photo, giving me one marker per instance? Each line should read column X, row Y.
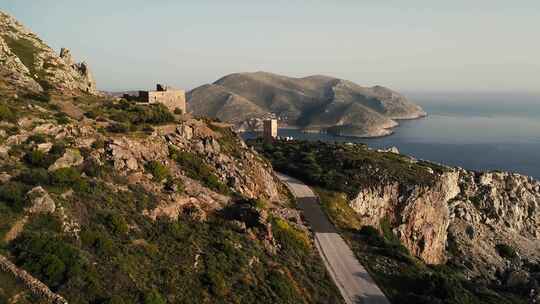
column 352, row 279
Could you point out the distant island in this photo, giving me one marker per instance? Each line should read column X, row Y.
column 315, row 103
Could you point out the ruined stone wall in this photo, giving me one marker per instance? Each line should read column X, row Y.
column 33, row 284
column 172, row 99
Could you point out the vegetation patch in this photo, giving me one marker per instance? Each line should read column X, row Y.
column 506, row 251
column 158, row 170
column 343, row 167
column 195, row 168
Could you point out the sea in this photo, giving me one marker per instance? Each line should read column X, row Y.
column 475, row 131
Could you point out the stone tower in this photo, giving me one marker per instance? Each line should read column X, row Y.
column 270, row 129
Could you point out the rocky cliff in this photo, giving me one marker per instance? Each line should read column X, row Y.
column 312, row 103
column 28, row 64
column 463, row 216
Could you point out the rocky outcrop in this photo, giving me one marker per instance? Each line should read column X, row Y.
column 71, row 158
column 34, row 285
column 14, row 72
column 28, row 64
column 41, row 201
column 243, row 171
column 462, row 216
column 494, row 209
column 418, row 214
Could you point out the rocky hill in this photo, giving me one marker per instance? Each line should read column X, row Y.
column 315, row 103
column 449, row 235
column 107, row 201
column 131, row 203
column 28, row 64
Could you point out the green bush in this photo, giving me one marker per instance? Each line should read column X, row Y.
column 69, row 177
column 135, row 114
column 116, row 223
column 97, row 241
column 158, row 170
column 49, row 258
column 175, row 185
column 294, row 242
column 34, row 176
column 283, row 287
column 98, row 144
column 13, row 193
column 154, row 297
column 62, row 118
column 6, row 114
column 92, row 168
column 506, row 251
column 372, row 235
column 118, row 128
column 37, row 158
column 37, row 138
column 195, row 168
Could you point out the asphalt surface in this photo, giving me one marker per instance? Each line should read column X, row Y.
column 352, row 279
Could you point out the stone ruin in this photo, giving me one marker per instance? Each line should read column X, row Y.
column 173, row 99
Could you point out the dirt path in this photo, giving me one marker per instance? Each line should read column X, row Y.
column 352, row 279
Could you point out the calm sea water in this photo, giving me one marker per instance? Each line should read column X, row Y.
column 473, row 131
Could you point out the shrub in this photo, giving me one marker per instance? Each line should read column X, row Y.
column 37, row 138
column 153, row 114
column 178, row 111
column 69, row 177
column 14, row 194
column 154, row 297
column 34, row 176
column 97, row 241
column 6, row 114
column 49, row 258
column 117, row 224
column 372, row 235
column 506, row 251
column 61, row 118
column 175, row 185
column 98, row 144
column 92, row 168
column 283, row 287
column 293, row 241
column 195, row 168
column 158, row 170
column 91, row 114
column 118, row 128
column 37, row 158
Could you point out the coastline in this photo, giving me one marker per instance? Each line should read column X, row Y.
column 378, row 133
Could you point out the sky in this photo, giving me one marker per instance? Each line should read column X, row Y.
column 410, row 45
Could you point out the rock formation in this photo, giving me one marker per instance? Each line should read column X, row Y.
column 28, row 64
column 463, row 216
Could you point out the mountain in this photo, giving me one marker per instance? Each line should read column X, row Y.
column 28, row 64
column 314, row 102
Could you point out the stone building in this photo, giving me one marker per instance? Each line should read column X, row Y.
column 171, row 98
column 270, row 129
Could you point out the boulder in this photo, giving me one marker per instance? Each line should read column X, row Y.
column 41, row 201
column 45, row 147
column 71, row 158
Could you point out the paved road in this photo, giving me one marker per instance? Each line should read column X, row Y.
column 352, row 279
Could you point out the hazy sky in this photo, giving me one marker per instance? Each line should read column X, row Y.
column 410, row 45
